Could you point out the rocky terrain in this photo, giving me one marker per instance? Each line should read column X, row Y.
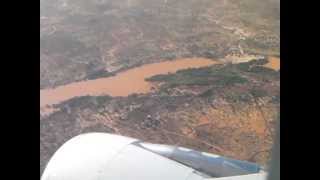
column 229, row 109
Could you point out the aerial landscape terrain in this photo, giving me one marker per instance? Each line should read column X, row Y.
column 202, row 74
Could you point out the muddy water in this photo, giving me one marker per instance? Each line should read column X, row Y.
column 274, row 63
column 123, row 84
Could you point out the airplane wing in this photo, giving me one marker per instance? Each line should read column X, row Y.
column 96, row 156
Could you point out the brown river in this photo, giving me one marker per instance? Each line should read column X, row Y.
column 274, row 63
column 126, row 82
column 122, row 84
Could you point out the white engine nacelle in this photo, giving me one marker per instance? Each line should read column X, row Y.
column 102, row 156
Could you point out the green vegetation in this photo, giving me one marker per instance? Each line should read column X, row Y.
column 207, row 93
column 201, row 77
column 99, row 74
column 256, row 69
column 235, row 97
column 218, row 75
column 258, row 93
column 239, row 78
column 102, row 99
column 264, row 71
column 85, row 101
